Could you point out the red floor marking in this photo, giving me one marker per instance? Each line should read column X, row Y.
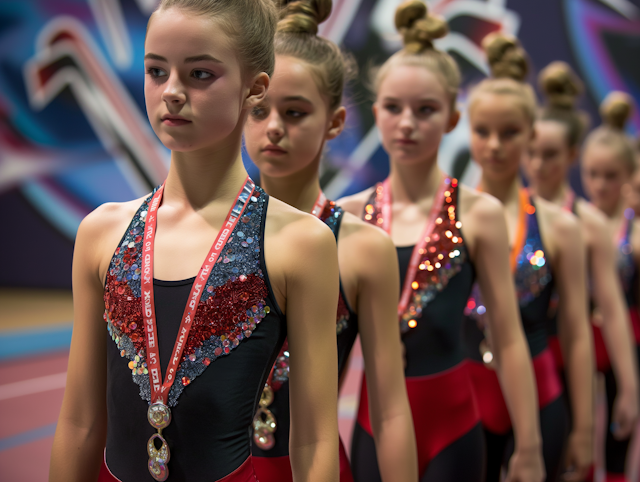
column 26, row 463
column 30, row 412
column 18, row 369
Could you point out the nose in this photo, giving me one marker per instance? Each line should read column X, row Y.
column 174, row 92
column 494, row 141
column 407, row 122
column 275, row 127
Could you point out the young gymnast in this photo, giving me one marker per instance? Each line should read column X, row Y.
column 446, row 237
column 285, row 136
column 559, row 130
column 608, row 162
column 546, row 250
column 170, row 383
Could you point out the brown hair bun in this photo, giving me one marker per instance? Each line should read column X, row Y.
column 418, row 28
column 303, row 16
column 616, row 109
column 507, row 59
column 560, row 85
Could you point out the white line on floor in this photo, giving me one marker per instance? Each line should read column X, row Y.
column 33, row 385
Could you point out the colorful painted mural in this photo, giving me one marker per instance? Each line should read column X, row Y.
column 74, row 133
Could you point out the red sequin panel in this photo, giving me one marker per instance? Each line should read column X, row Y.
column 124, row 310
column 224, row 313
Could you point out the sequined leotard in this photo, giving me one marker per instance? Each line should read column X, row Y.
column 273, row 465
column 616, row 450
column 534, row 289
column 236, row 335
column 445, row 417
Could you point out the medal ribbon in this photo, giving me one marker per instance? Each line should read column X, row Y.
column 159, row 390
column 319, row 205
column 569, row 199
column 524, row 208
column 418, row 250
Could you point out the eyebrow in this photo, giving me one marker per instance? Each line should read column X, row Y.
column 291, row 98
column 188, row 60
column 425, row 99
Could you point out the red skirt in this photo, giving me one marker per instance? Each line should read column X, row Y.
column 493, row 408
column 442, row 406
column 244, row 473
column 278, row 469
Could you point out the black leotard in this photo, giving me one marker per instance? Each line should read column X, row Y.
column 209, row 435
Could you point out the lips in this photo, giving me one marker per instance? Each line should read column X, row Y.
column 174, row 120
column 273, row 150
column 406, row 142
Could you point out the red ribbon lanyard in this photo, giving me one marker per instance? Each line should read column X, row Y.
column 159, row 393
column 569, row 200
column 419, row 249
column 319, row 205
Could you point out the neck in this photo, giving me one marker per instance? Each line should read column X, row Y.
column 556, row 194
column 413, row 183
column 299, row 189
column 506, row 191
column 196, row 179
column 615, row 211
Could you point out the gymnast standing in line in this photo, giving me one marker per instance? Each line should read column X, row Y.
column 269, row 272
column 285, row 136
column 608, row 162
column 446, row 236
column 546, row 249
column 559, row 132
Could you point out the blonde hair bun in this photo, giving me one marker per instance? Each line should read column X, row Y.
column 506, row 57
column 303, row 16
column 616, row 109
column 418, row 28
column 560, row 85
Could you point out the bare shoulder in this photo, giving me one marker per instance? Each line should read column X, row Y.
column 480, row 207
column 296, row 231
column 560, row 227
column 369, row 240
column 100, row 232
column 591, row 217
column 355, row 203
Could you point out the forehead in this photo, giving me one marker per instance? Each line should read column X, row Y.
column 601, row 155
column 176, row 33
column 412, row 82
column 549, row 132
column 497, row 109
column 293, row 77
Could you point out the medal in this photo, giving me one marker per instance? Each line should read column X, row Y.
column 159, row 414
column 264, row 422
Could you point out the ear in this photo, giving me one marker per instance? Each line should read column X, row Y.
column 533, row 133
column 454, row 118
column 374, row 109
column 336, row 124
column 257, row 90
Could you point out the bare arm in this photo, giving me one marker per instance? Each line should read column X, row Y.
column 312, row 288
column 487, row 227
column 391, row 420
column 616, row 328
column 82, row 425
column 575, row 338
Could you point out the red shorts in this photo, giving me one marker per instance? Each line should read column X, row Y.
column 442, row 406
column 278, row 469
column 486, row 387
column 244, row 473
